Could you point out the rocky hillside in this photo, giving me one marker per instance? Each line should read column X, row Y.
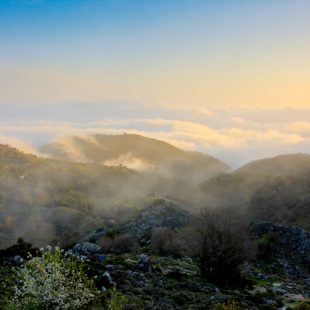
column 138, row 153
column 278, row 278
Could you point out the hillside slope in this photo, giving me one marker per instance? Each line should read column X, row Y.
column 50, row 201
column 139, row 153
column 274, row 189
column 283, row 165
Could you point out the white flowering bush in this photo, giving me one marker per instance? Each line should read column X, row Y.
column 52, row 281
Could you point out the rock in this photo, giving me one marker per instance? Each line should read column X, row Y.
column 176, row 268
column 144, row 263
column 111, row 267
column 288, row 248
column 86, row 249
column 16, row 260
column 95, row 235
column 106, row 280
column 161, row 213
column 100, row 258
column 292, row 300
column 259, row 290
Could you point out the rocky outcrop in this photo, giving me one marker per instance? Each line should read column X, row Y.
column 161, row 213
column 287, row 247
column 85, row 249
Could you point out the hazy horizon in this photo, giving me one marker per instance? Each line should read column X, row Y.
column 230, row 79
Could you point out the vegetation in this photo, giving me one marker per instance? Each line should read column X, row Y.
column 223, row 245
column 127, row 247
column 167, row 241
column 229, row 306
column 50, row 281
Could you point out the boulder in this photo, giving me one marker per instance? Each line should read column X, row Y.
column 144, row 263
column 86, row 249
column 95, row 235
column 106, row 280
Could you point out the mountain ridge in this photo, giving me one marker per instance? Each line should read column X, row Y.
column 139, row 153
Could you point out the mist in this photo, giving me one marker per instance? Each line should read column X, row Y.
column 234, row 135
column 89, row 181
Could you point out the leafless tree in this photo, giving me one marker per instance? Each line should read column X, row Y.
column 222, row 242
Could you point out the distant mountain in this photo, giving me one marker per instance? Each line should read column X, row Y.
column 138, row 153
column 274, row 189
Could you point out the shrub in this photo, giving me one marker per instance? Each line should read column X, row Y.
column 302, row 306
column 52, row 281
column 123, row 244
column 167, row 241
column 228, row 306
column 266, row 246
column 222, row 244
column 21, row 248
column 118, row 244
column 116, row 300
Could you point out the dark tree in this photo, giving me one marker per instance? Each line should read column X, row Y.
column 223, row 244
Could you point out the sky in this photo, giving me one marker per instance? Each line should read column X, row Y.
column 230, row 78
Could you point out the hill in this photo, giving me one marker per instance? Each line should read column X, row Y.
column 50, row 201
column 138, row 153
column 274, row 189
column 283, row 165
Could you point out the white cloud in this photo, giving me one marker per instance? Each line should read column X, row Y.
column 233, row 136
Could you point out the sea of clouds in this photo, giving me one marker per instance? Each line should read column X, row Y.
column 235, row 136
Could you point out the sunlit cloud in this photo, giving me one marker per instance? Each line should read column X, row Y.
column 225, row 134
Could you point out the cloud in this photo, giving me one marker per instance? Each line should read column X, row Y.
column 130, row 161
column 233, row 136
column 302, row 128
column 19, row 144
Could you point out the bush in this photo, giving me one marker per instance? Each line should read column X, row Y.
column 266, row 246
column 229, row 306
column 222, row 244
column 123, row 244
column 302, row 306
column 21, row 248
column 116, row 300
column 118, row 244
column 167, row 241
column 51, row 282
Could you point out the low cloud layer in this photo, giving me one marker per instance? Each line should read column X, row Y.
column 234, row 136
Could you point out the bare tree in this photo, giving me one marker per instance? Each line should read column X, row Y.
column 222, row 243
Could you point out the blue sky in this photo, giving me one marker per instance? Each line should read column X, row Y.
column 96, row 35
column 172, row 52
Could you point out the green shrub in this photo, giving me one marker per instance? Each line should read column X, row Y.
column 116, row 300
column 266, row 245
column 302, row 306
column 233, row 305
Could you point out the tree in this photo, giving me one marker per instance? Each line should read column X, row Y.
column 222, row 243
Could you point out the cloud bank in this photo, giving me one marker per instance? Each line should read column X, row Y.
column 234, row 136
